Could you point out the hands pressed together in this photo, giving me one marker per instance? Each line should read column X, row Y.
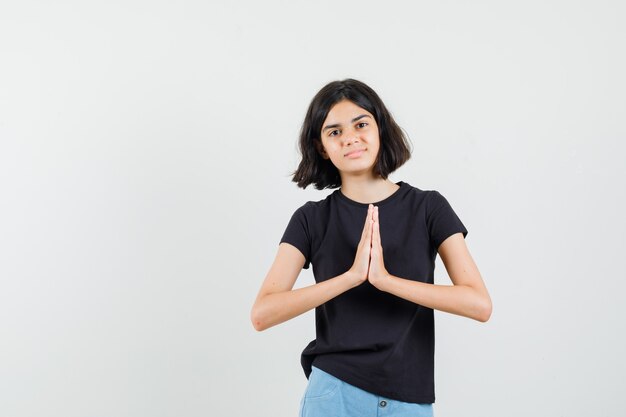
column 369, row 264
column 275, row 306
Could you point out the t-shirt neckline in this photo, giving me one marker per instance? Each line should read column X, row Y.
column 403, row 185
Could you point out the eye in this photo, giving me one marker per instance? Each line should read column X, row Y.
column 362, row 123
column 332, row 133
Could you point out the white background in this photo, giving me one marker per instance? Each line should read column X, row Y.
column 145, row 159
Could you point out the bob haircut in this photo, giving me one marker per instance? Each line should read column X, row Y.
column 313, row 168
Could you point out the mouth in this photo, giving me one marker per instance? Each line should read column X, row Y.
column 355, row 153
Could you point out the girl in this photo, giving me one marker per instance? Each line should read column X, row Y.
column 373, row 245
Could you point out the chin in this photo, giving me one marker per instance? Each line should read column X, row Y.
column 358, row 169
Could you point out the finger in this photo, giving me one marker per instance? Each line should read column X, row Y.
column 376, row 232
column 375, row 250
column 371, row 231
column 373, row 225
column 366, row 226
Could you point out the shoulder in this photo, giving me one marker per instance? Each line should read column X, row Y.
column 420, row 196
column 435, row 200
column 432, row 200
column 314, row 206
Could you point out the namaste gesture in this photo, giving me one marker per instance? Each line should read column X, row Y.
column 369, row 263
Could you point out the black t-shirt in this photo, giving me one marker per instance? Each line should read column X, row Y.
column 368, row 338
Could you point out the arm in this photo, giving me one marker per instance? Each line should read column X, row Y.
column 468, row 296
column 278, row 302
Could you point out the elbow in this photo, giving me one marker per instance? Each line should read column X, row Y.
column 257, row 320
column 485, row 312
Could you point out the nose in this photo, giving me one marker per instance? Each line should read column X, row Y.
column 351, row 136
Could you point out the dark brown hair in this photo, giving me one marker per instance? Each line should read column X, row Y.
column 313, row 168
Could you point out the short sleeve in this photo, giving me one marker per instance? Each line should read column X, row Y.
column 441, row 219
column 297, row 234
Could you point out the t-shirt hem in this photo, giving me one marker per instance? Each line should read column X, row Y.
column 364, row 385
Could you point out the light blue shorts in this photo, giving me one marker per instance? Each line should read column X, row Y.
column 328, row 396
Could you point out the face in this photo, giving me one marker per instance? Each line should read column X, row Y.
column 349, row 138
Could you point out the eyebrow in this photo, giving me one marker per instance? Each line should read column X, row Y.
column 339, row 124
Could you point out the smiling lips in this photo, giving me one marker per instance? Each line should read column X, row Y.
column 354, row 154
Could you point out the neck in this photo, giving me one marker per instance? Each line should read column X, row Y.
column 367, row 189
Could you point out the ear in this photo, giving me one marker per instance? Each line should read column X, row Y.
column 320, row 148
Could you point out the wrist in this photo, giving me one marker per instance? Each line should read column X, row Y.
column 353, row 278
column 382, row 282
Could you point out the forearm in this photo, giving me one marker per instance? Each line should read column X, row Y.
column 455, row 299
column 275, row 308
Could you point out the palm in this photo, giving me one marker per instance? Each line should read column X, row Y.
column 377, row 271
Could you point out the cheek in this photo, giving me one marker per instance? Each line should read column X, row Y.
column 375, row 145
